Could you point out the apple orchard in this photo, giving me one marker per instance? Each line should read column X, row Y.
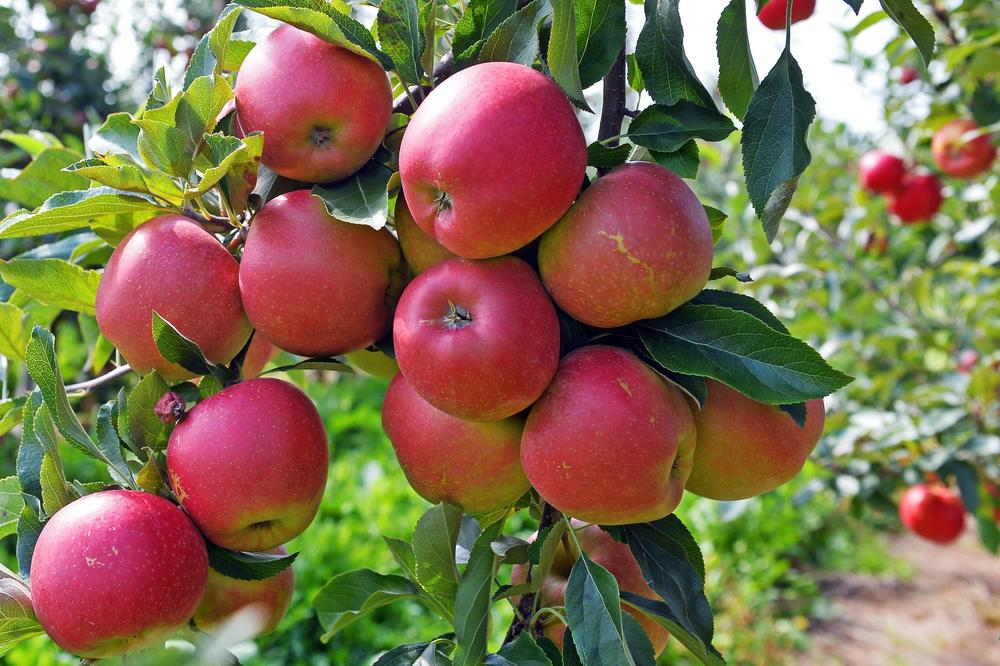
column 417, row 201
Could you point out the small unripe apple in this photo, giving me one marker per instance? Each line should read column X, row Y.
column 419, row 248
column 373, row 363
column 881, row 172
column 117, row 571
column 474, row 465
column 958, row 157
column 477, row 339
column 908, row 75
column 635, row 245
column 316, row 286
column 172, row 266
column 323, row 109
column 746, row 448
column 267, row 599
column 933, row 512
column 918, row 198
column 610, row 441
column 249, row 464
column 773, row 14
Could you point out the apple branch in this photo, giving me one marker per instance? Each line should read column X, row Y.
column 526, row 606
column 407, row 102
column 613, row 110
column 91, row 384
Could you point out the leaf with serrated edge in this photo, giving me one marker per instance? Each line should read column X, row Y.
column 359, row 199
column 12, row 340
column 349, row 596
column 472, row 599
column 916, row 26
column 53, row 282
column 595, row 615
column 600, row 33
column 659, row 52
column 400, row 37
column 516, row 39
column 737, row 73
column 562, row 57
column 75, row 210
column 434, row 542
column 247, row 566
column 668, row 128
column 11, row 504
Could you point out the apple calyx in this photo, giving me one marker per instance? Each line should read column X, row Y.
column 170, row 407
column 457, row 316
column 321, row 137
column 442, row 202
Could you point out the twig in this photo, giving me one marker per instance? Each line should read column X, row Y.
column 91, row 384
column 613, row 111
column 944, row 17
column 212, row 223
column 522, row 615
column 406, row 103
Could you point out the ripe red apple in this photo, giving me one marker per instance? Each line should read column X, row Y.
column 746, row 448
column 373, row 363
column 419, row 248
column 323, row 109
column 908, row 75
column 491, row 159
column 635, row 245
column 881, row 172
column 477, row 339
column 610, row 441
column 116, row 571
column 249, row 464
column 225, row 597
column 616, row 558
column 967, row 360
column 316, row 286
column 960, row 158
column 933, row 512
column 258, row 356
column 171, row 265
column 772, row 15
column 918, row 199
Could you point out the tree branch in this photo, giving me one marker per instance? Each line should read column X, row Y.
column 613, row 110
column 91, row 384
column 944, row 17
column 525, row 607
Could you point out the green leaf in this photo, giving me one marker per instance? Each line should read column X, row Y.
column 12, row 338
column 11, row 504
column 638, row 643
column 668, row 128
column 854, row 4
column 561, row 58
column 434, row 542
column 116, row 137
column 34, row 142
column 75, row 210
column 360, row 199
column 665, row 616
column 42, row 178
column 633, row 73
column 128, row 176
column 472, row 600
column 332, row 364
column 402, row 552
column 11, row 410
column 247, row 566
column 478, row 22
column 209, row 56
column 660, row 55
column 150, row 477
column 414, row 654
column 179, row 349
column 225, row 154
column 17, row 617
column 516, row 39
column 605, row 157
column 541, row 553
column 53, row 282
column 916, row 26
column 163, row 147
column 740, row 350
column 775, row 152
column 524, row 651
column 55, row 491
column 720, row 272
column 144, row 426
column 684, row 161
column 595, row 615
column 37, row 437
column 208, row 387
column 349, row 596
column 109, row 446
column 797, row 411
column 400, row 36
column 717, row 219
column 737, row 73
column 748, row 304
column 29, row 526
column 600, row 37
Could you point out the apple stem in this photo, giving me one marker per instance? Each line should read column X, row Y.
column 525, row 608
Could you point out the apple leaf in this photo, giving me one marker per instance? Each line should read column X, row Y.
column 177, row 348
column 600, row 34
column 668, row 128
column 53, row 282
column 797, row 411
column 561, row 57
column 143, row 425
column 516, row 39
column 128, row 176
column 37, row 437
column 659, row 52
column 717, row 220
column 737, row 73
column 430, row 653
column 541, row 553
column 11, row 411
column 56, row 492
column 75, row 210
column 472, row 599
column 17, row 617
column 29, row 526
column 479, row 21
column 209, row 57
column 607, row 157
column 434, row 541
column 33, row 142
column 522, row 651
column 401, row 38
column 332, row 364
column 41, row 178
column 916, row 26
column 226, row 155
column 720, row 272
column 854, row 4
column 12, row 338
column 117, row 137
column 349, row 596
column 247, row 566
column 11, row 504
column 731, row 299
column 684, row 161
column 595, row 615
column 361, row 198
column 638, row 643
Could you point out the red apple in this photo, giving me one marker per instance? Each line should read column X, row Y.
column 933, row 512
column 610, row 441
column 881, row 172
column 491, row 159
column 316, row 286
column 960, row 158
column 373, row 363
column 419, row 248
column 967, row 360
column 908, row 75
column 258, row 356
column 323, row 109
column 746, row 448
column 249, row 464
column 116, row 571
column 477, row 339
column 224, row 597
column 773, row 14
column 635, row 245
column 918, row 199
column 171, row 265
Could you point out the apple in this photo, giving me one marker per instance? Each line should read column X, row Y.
column 470, row 464
column 918, row 198
column 610, row 441
column 967, row 360
column 258, row 356
column 249, row 464
column 116, row 571
column 491, row 159
column 773, row 14
column 960, row 158
column 635, row 245
column 617, row 558
column 316, row 286
column 746, row 448
column 323, row 109
column 419, row 248
column 225, row 597
column 933, row 512
column 373, row 363
column 908, row 75
column 477, row 339
column 172, row 266
column 881, row 172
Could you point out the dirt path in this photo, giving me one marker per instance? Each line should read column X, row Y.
column 948, row 614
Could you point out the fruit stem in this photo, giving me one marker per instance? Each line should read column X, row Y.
column 525, row 610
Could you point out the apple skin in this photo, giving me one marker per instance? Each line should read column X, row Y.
column 610, row 441
column 746, row 448
column 419, row 248
column 171, row 265
column 225, row 596
column 932, row 512
column 908, row 75
column 474, row 465
column 117, row 571
column 635, row 245
column 918, row 199
column 316, row 286
column 962, row 159
column 373, row 363
column 323, row 109
column 881, row 172
column 616, row 558
column 491, row 159
column 772, row 15
column 477, row 339
column 249, row 464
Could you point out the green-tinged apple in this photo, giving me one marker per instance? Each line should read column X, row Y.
column 259, row 354
column 918, row 198
column 172, row 266
column 933, row 512
column 373, row 363
column 881, row 172
column 958, row 157
column 323, row 109
column 316, row 286
column 746, row 448
column 419, row 248
column 249, row 464
column 635, row 245
column 262, row 602
column 117, row 571
column 477, row 339
column 610, row 441
column 774, row 13
column 471, row 464
column 491, row 159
